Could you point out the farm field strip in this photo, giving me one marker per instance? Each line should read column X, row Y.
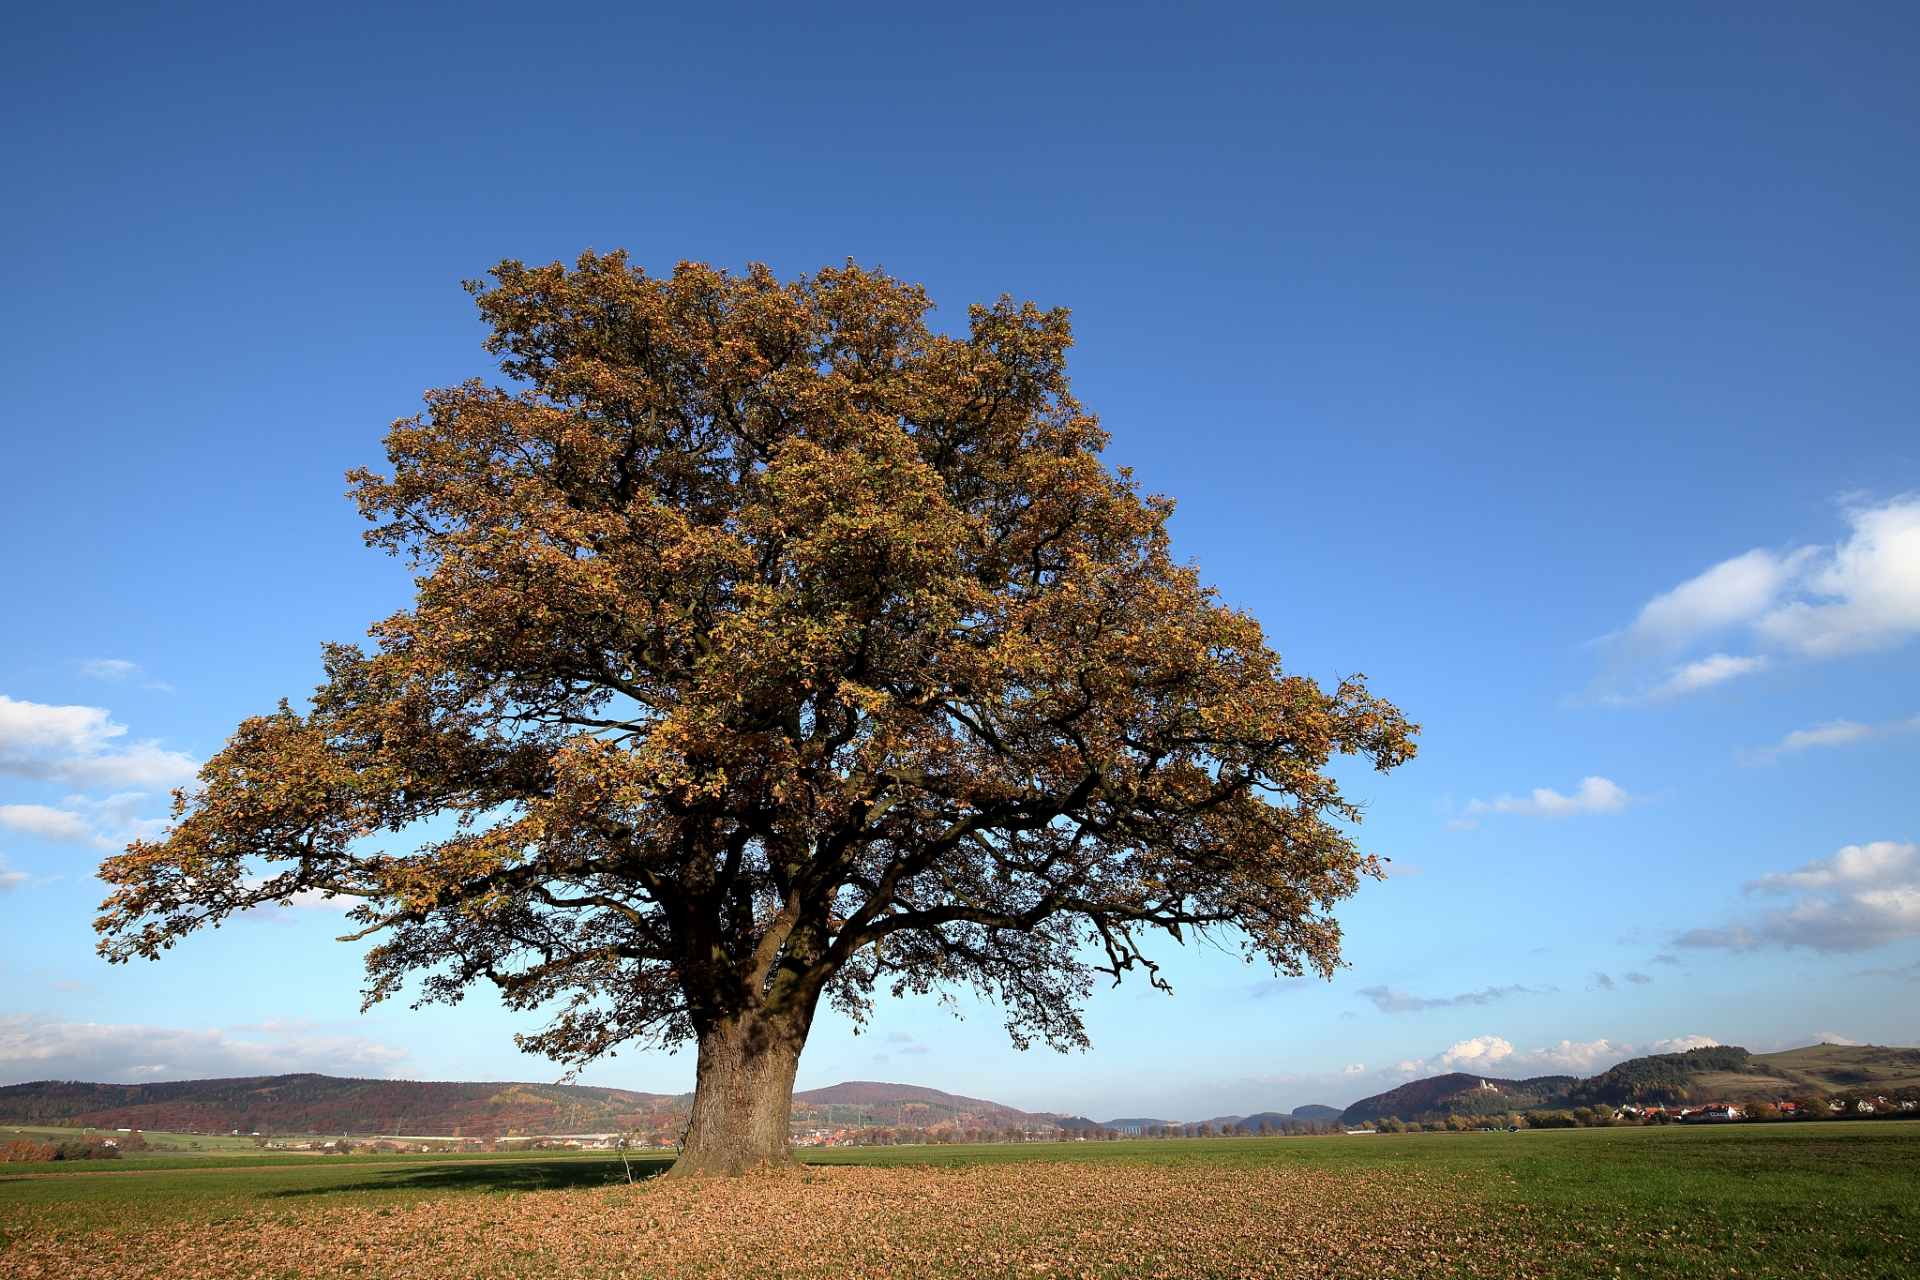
column 1833, row 1199
column 297, row 1160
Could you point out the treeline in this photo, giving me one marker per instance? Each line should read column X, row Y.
column 878, row 1136
column 28, row 1151
column 1265, row 1129
column 913, row 1136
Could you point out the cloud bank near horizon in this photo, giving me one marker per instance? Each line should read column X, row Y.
column 37, row 1047
column 1496, row 1056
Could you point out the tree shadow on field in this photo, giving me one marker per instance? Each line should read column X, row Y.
column 482, row 1177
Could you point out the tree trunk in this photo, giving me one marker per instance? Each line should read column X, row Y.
column 742, row 1097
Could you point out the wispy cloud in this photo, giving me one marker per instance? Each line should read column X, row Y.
column 120, row 669
column 1863, row 897
column 42, row 1048
column 1834, row 733
column 1394, row 1000
column 10, row 879
column 1911, row 972
column 103, row 824
column 76, row 745
column 1705, row 673
column 1594, row 795
column 1859, row 594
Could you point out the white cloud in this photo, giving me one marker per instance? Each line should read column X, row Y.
column 1857, row 595
column 1833, row 733
column 1865, row 896
column 1394, row 1000
column 1868, row 589
column 27, row 727
column 74, row 745
column 1596, row 795
column 42, row 1048
column 1854, row 866
column 50, row 824
column 1476, row 1054
column 108, row 668
column 10, row 880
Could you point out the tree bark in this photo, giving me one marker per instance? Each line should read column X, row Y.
column 743, row 1097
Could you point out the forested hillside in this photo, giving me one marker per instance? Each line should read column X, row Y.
column 864, row 1104
column 328, row 1104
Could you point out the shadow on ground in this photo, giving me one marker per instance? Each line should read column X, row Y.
column 485, row 1177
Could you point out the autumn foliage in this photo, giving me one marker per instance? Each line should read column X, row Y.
column 770, row 646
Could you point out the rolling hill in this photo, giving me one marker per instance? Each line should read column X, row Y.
column 1722, row 1073
column 292, row 1104
column 1840, row 1068
column 1458, row 1093
column 863, row 1104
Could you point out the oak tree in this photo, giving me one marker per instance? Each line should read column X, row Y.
column 769, row 646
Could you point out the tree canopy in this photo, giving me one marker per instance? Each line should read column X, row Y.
column 769, row 645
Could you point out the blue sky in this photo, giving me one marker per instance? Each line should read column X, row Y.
column 1556, row 369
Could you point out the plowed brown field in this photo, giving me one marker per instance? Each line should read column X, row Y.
column 1027, row 1220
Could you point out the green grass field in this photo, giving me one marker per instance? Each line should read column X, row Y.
column 1835, row 1199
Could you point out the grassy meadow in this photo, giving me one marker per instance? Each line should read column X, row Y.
column 1823, row 1199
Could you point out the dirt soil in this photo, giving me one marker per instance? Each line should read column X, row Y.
column 1029, row 1220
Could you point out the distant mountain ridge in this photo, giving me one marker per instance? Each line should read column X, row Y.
column 1312, row 1114
column 310, row 1103
column 307, row 1103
